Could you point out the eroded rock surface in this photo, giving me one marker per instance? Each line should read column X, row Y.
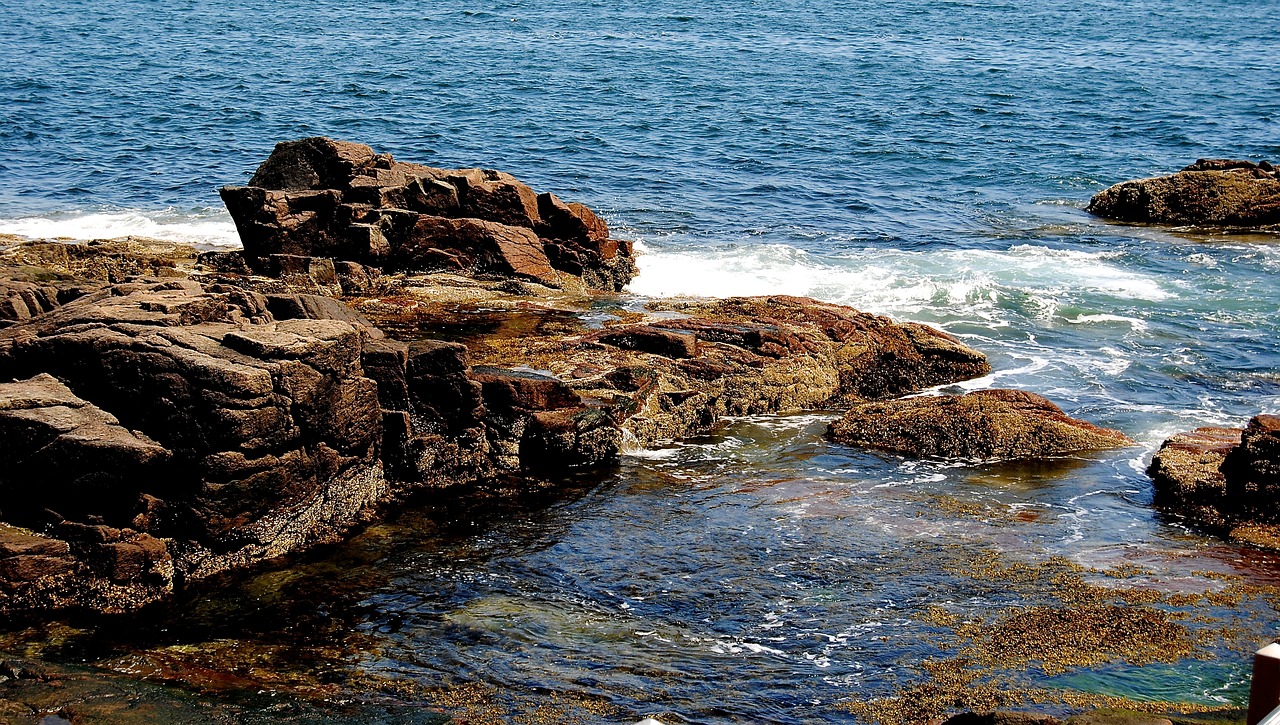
column 188, row 420
column 1224, row 478
column 188, row 413
column 982, row 425
column 670, row 377
column 1217, row 192
column 318, row 197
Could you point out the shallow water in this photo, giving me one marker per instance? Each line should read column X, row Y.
column 926, row 159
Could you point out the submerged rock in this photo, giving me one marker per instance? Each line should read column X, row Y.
column 318, row 197
column 983, row 425
column 1220, row 192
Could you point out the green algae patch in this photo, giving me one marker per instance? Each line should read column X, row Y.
column 1063, row 618
column 1059, row 639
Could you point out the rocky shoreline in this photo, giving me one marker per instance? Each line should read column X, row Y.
column 393, row 330
column 189, row 417
column 1210, row 192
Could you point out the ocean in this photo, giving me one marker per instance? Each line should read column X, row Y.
column 925, row 159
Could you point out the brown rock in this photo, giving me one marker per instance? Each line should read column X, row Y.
column 1187, row 475
column 1224, row 478
column 320, row 198
column 1000, row 717
column 506, row 391
column 84, row 459
column 1252, row 471
column 1211, row 191
column 1104, row 717
column 667, row 377
column 241, row 440
column 472, row 245
column 983, row 425
column 441, row 394
column 652, row 339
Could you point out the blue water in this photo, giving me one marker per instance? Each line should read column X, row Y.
column 926, row 159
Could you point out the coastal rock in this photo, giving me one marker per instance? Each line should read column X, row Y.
column 1187, row 473
column 170, row 429
column 188, row 425
column 671, row 377
column 1226, row 479
column 320, row 198
column 1220, row 192
column 22, row 300
column 1252, row 471
column 983, row 425
column 999, row 717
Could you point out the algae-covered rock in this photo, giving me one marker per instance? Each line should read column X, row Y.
column 1226, row 479
column 983, row 425
column 1218, row 192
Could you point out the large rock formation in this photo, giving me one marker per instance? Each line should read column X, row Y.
column 323, row 198
column 1226, row 478
column 983, row 425
column 168, row 415
column 160, row 423
column 1218, row 192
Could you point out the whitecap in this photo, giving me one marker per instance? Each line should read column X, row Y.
column 1133, row 322
column 206, row 228
column 973, row 282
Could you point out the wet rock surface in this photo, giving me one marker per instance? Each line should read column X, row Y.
column 1224, row 478
column 983, row 425
column 219, row 416
column 318, row 197
column 1214, row 192
column 666, row 378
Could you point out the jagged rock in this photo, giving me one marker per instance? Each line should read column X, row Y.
column 82, row 456
column 1252, row 471
column 21, row 300
column 256, row 417
column 653, row 339
column 312, row 274
column 252, row 439
column 1219, row 192
column 320, row 198
column 983, row 425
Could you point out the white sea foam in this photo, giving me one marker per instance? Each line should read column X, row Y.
column 892, row 280
column 1135, row 323
column 208, row 228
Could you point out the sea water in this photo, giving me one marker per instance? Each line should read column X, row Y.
column 925, row 159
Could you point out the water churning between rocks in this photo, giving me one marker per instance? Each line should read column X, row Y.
column 925, row 159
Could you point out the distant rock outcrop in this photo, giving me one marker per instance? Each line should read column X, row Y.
column 323, row 198
column 1217, row 192
column 983, row 425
